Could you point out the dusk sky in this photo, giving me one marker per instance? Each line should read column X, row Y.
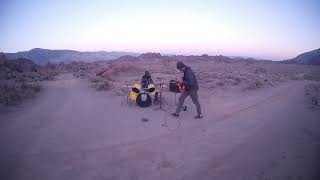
column 269, row 29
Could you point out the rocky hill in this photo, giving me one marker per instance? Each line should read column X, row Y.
column 311, row 57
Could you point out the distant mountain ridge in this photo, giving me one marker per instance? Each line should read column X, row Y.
column 311, row 57
column 43, row 56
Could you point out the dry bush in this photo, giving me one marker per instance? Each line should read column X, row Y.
column 256, row 84
column 220, row 83
column 103, row 86
column 260, row 70
column 100, row 83
column 312, row 91
column 19, row 79
column 95, row 80
column 106, row 76
column 311, row 76
column 12, row 93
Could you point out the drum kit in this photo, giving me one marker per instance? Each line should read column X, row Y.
column 145, row 97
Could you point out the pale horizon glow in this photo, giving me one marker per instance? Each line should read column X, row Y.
column 270, row 29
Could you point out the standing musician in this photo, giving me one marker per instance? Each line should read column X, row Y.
column 191, row 89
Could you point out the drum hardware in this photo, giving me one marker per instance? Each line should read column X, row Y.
column 161, row 85
column 127, row 94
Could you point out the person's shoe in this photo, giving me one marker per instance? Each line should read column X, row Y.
column 175, row 114
column 184, row 108
column 198, row 117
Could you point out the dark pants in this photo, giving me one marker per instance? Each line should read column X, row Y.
column 194, row 96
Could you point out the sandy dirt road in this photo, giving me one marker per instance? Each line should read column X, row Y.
column 72, row 132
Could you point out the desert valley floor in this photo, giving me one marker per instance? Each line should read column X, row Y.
column 71, row 131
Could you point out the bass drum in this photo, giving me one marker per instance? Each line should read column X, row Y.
column 143, row 100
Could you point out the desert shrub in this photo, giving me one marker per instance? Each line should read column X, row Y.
column 260, row 70
column 103, row 86
column 220, row 83
column 100, row 84
column 312, row 77
column 312, row 91
column 106, row 76
column 14, row 92
column 36, row 87
column 256, row 84
column 236, row 81
column 95, row 80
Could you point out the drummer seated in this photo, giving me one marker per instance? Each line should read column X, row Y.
column 145, row 81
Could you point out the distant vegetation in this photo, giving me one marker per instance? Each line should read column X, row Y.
column 20, row 79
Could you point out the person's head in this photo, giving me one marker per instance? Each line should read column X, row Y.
column 147, row 73
column 181, row 66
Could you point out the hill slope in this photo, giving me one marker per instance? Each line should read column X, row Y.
column 311, row 57
column 43, row 56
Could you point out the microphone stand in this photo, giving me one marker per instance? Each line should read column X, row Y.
column 161, row 85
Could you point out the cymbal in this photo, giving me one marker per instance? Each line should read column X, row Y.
column 163, row 85
column 125, row 86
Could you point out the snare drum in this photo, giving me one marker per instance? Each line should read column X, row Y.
column 151, row 88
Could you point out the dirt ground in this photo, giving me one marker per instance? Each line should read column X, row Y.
column 72, row 131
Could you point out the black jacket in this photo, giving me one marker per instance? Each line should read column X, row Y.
column 189, row 80
column 146, row 80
